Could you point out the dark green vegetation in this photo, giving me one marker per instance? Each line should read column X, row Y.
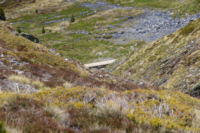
column 2, row 14
column 2, row 129
column 43, row 30
column 72, row 20
column 19, row 30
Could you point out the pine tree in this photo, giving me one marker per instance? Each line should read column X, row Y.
column 36, row 11
column 72, row 19
column 2, row 14
column 19, row 30
column 43, row 30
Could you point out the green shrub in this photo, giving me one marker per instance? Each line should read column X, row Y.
column 72, row 19
column 2, row 129
column 2, row 14
column 43, row 30
column 36, row 11
column 19, row 30
column 188, row 29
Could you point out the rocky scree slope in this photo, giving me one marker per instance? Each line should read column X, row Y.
column 41, row 92
column 172, row 62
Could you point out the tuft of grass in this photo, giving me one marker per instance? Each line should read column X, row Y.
column 21, row 79
column 60, row 115
column 67, row 85
column 25, row 80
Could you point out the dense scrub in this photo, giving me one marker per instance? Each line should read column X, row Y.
column 100, row 110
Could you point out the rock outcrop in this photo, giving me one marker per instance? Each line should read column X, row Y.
column 30, row 37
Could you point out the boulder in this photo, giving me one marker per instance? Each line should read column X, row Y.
column 30, row 37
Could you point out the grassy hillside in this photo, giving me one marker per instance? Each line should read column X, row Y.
column 20, row 56
column 172, row 62
column 85, row 40
column 94, row 34
column 180, row 7
column 41, row 92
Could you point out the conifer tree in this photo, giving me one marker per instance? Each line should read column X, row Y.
column 43, row 30
column 72, row 19
column 2, row 14
column 19, row 30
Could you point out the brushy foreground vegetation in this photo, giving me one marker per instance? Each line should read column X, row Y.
column 172, row 62
column 81, row 109
column 41, row 92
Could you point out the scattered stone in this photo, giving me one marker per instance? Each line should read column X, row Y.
column 11, row 86
column 131, row 48
column 152, row 25
column 99, row 53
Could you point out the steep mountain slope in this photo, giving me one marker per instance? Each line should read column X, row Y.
column 41, row 92
column 172, row 62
